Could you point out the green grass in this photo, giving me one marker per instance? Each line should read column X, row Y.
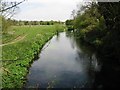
column 18, row 56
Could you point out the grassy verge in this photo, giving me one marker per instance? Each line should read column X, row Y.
column 21, row 51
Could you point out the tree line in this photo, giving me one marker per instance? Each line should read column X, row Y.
column 6, row 23
column 20, row 22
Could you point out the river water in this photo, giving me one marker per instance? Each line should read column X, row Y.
column 63, row 63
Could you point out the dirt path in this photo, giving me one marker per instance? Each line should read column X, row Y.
column 19, row 38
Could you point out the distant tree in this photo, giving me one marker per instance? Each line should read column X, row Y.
column 48, row 23
column 69, row 22
column 51, row 22
column 40, row 22
column 26, row 22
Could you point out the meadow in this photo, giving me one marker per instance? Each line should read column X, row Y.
column 20, row 47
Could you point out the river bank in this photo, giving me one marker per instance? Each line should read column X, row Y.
column 17, row 57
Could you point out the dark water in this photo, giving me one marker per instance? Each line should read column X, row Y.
column 63, row 63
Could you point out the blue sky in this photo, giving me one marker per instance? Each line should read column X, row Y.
column 46, row 9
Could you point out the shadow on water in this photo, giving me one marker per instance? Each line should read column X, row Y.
column 64, row 63
column 108, row 73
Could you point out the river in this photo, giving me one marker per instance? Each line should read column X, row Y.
column 63, row 63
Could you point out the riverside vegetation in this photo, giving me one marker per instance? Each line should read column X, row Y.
column 20, row 46
column 98, row 24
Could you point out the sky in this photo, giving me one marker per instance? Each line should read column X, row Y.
column 46, row 10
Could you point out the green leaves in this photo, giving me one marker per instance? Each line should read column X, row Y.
column 91, row 25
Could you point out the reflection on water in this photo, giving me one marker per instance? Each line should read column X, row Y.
column 63, row 63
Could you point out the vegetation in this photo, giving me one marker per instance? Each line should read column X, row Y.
column 91, row 25
column 70, row 24
column 111, row 41
column 18, row 53
column 99, row 25
column 6, row 23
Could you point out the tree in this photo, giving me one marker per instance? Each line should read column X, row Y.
column 69, row 22
column 90, row 24
column 111, row 13
column 73, row 14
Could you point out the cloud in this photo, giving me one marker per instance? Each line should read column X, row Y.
column 56, row 1
column 46, row 9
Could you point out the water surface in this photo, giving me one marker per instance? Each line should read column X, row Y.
column 63, row 63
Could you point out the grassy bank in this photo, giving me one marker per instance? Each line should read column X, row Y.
column 19, row 49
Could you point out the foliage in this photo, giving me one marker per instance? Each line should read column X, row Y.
column 91, row 25
column 109, row 52
column 99, row 25
column 111, row 41
column 36, row 22
column 70, row 24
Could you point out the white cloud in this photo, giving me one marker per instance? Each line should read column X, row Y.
column 51, row 1
column 46, row 9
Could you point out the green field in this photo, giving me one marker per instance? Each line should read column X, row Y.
column 19, row 49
